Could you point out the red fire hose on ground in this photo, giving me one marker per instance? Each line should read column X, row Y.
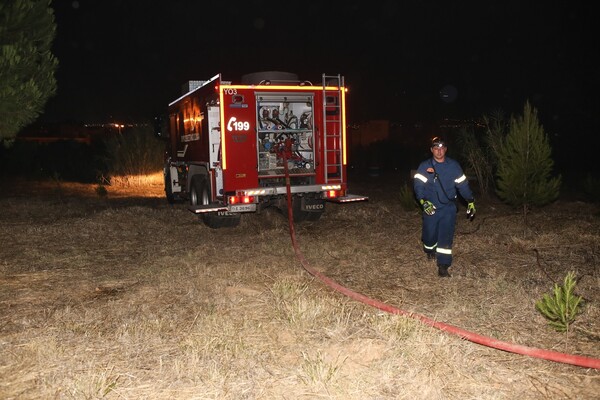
column 581, row 361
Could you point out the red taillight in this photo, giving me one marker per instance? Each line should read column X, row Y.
column 332, row 194
column 241, row 199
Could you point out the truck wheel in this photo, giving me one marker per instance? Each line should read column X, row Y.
column 199, row 191
column 200, row 195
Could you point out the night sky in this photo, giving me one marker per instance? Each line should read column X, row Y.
column 126, row 60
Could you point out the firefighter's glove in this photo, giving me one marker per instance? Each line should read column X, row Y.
column 471, row 210
column 428, row 207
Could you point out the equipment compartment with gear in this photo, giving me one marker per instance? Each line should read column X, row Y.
column 285, row 132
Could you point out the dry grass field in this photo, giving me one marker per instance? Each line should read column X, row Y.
column 125, row 297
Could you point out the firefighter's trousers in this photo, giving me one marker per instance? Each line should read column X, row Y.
column 438, row 233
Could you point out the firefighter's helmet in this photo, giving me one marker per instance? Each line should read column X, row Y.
column 438, row 142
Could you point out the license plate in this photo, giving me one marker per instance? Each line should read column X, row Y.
column 242, row 208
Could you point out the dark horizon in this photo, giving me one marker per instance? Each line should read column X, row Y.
column 408, row 63
column 129, row 59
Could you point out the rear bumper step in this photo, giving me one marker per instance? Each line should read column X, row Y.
column 348, row 198
column 207, row 208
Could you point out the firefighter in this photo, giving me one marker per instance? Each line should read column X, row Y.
column 436, row 184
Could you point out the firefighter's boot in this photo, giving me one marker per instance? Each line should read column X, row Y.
column 443, row 270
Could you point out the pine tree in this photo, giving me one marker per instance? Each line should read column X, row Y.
column 480, row 153
column 525, row 164
column 27, row 66
column 562, row 308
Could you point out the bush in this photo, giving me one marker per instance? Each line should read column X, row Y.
column 134, row 152
column 407, row 199
column 562, row 308
column 591, row 187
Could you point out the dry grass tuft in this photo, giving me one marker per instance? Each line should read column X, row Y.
column 143, row 181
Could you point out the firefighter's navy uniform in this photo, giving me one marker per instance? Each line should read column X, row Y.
column 439, row 183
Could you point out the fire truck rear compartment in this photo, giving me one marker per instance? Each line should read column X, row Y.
column 234, row 149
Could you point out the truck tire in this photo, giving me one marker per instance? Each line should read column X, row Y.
column 199, row 192
column 200, row 195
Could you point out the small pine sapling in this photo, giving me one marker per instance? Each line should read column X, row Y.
column 561, row 309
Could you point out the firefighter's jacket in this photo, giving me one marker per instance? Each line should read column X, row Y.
column 440, row 182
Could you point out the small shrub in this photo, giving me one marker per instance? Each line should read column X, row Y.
column 591, row 187
column 135, row 152
column 407, row 199
column 562, row 308
column 101, row 191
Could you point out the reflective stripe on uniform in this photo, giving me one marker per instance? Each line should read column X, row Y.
column 460, row 179
column 429, row 247
column 444, row 251
column 421, row 178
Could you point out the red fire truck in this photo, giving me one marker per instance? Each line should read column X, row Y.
column 239, row 148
